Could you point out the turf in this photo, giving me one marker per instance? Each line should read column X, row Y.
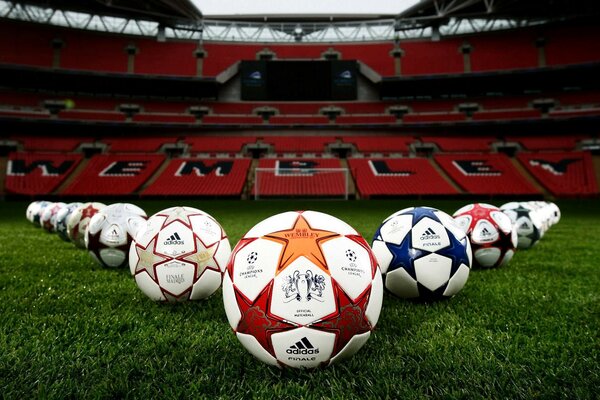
column 70, row 329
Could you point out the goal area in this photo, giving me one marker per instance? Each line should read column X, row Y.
column 332, row 183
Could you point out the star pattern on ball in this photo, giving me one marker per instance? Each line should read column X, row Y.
column 257, row 321
column 203, row 257
column 422, row 212
column 403, row 256
column 88, row 212
column 302, row 240
column 147, row 259
column 456, row 251
column 179, row 214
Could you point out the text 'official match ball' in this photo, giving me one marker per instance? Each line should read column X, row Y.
column 423, row 254
column 111, row 231
column 491, row 233
column 179, row 254
column 302, row 289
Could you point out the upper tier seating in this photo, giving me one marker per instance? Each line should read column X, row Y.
column 114, row 174
column 89, row 50
column 485, row 174
column 537, row 143
column 398, row 176
column 37, row 173
column 218, row 144
column 201, row 177
column 52, row 144
column 380, row 144
column 298, row 177
column 291, row 144
column 460, row 143
column 565, row 174
column 138, row 145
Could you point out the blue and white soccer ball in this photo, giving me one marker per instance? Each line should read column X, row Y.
column 62, row 218
column 423, row 254
column 35, row 210
column 526, row 222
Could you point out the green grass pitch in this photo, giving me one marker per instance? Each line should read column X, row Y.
column 70, row 329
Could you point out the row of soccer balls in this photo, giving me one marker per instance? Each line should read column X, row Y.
column 300, row 289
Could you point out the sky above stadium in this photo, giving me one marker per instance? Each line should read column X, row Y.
column 301, row 7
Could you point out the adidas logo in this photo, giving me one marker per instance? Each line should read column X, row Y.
column 485, row 232
column 173, row 240
column 429, row 234
column 303, row 346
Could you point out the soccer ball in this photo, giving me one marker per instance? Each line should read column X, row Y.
column 491, row 233
column 423, row 254
column 302, row 289
column 110, row 233
column 78, row 222
column 179, row 254
column 61, row 220
column 33, row 212
column 555, row 213
column 525, row 222
column 48, row 218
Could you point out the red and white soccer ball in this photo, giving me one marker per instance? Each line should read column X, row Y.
column 179, row 254
column 302, row 289
column 79, row 220
column 493, row 239
column 111, row 231
column 48, row 218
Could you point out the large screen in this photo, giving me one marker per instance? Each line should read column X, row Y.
column 298, row 80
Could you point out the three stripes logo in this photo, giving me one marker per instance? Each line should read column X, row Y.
column 303, row 346
column 485, row 232
column 429, row 234
column 174, row 239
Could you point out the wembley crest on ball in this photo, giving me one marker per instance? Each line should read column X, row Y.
column 302, row 289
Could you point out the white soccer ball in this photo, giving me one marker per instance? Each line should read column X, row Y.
column 79, row 220
column 302, row 289
column 33, row 210
column 423, row 254
column 526, row 223
column 61, row 220
column 48, row 218
column 490, row 231
column 110, row 233
column 179, row 254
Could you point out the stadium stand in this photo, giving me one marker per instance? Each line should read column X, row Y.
column 299, row 177
column 54, row 144
column 291, row 144
column 114, row 174
column 92, row 115
column 540, row 143
column 460, row 143
column 38, row 173
column 485, row 174
column 376, row 143
column 564, row 174
column 201, row 177
column 136, row 145
column 398, row 177
column 218, row 144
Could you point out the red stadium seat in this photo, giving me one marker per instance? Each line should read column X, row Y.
column 218, row 144
column 397, row 177
column 380, row 144
column 37, row 173
column 114, row 174
column 565, row 174
column 290, row 144
column 485, row 174
column 201, row 177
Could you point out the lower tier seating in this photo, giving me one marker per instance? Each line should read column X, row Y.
column 114, row 174
column 485, row 174
column 384, row 144
column 564, row 174
column 201, row 177
column 399, row 176
column 299, row 177
column 35, row 173
column 456, row 144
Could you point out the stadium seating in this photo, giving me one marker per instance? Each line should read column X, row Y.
column 537, row 143
column 201, row 177
column 380, row 144
column 114, row 174
column 460, row 143
column 398, row 177
column 38, row 173
column 47, row 144
column 564, row 174
column 92, row 115
column 433, row 117
column 291, row 144
column 506, row 114
column 218, row 144
column 137, row 145
column 298, row 177
column 485, row 174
